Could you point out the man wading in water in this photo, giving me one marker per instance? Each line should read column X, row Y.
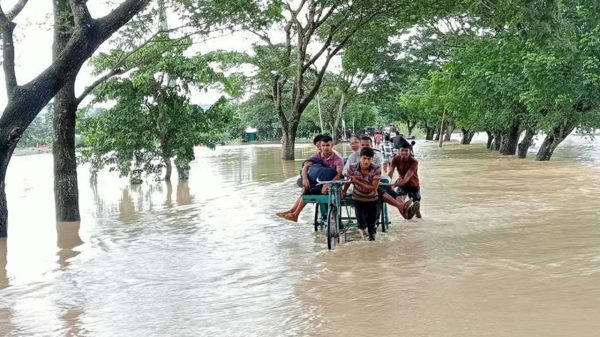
column 365, row 177
column 386, row 193
column 408, row 182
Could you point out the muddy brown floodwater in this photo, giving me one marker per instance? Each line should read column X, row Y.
column 507, row 247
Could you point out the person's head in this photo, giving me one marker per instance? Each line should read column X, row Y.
column 355, row 143
column 327, row 145
column 387, row 137
column 366, row 156
column 365, row 141
column 317, row 141
column 405, row 151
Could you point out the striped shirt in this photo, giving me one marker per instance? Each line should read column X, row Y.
column 373, row 173
column 388, row 150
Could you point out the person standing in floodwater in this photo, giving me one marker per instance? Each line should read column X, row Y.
column 365, row 177
column 408, row 181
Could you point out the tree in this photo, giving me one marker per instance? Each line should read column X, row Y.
column 66, row 193
column 39, row 131
column 152, row 121
column 314, row 33
column 26, row 101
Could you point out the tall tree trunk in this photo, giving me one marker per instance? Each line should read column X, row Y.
column 525, row 144
column 440, row 131
column 497, row 141
column 553, row 139
column 338, row 117
column 429, row 132
column 66, row 192
column 449, row 131
column 490, row 139
column 289, row 140
column 3, row 210
column 168, row 168
column 410, row 127
column 511, row 140
column 8, row 142
column 467, row 136
column 25, row 101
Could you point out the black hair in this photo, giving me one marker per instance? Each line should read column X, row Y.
column 367, row 151
column 365, row 137
column 387, row 137
column 406, row 146
column 317, row 138
column 326, row 138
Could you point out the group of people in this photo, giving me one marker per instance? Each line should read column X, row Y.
column 363, row 168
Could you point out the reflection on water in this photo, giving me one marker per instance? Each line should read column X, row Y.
column 67, row 239
column 507, row 247
column 3, row 253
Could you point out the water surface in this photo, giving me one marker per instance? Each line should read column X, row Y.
column 507, row 247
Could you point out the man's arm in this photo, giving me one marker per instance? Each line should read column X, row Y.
column 391, row 169
column 406, row 178
column 411, row 171
column 338, row 171
column 348, row 163
column 364, row 186
column 305, row 181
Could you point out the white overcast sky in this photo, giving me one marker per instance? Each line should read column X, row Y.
column 33, row 46
column 34, row 35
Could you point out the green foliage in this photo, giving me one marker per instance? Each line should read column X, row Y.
column 152, row 120
column 39, row 131
column 533, row 63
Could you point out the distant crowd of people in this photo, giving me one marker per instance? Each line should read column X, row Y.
column 363, row 169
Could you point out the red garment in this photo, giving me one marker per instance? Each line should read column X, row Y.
column 403, row 166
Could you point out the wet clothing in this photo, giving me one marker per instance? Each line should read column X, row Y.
column 403, row 166
column 366, row 215
column 334, row 161
column 388, row 151
column 413, row 193
column 354, row 159
column 365, row 202
column 374, row 173
column 318, row 171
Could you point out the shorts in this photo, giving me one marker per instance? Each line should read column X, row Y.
column 381, row 190
column 413, row 192
column 312, row 190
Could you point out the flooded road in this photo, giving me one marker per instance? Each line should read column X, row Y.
column 507, row 247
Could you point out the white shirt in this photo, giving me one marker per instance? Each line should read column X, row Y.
column 354, row 158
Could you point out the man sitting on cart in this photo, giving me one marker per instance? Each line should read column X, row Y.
column 325, row 161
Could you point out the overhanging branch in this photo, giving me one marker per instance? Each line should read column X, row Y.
column 13, row 13
column 113, row 72
column 81, row 14
column 8, row 52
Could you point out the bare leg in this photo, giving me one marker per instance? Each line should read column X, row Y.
column 299, row 207
column 293, row 216
column 394, row 202
column 291, row 210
